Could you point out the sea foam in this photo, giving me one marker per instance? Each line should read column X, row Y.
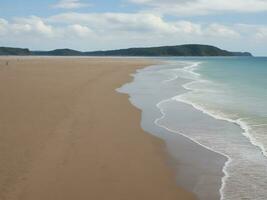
column 230, row 135
column 196, row 79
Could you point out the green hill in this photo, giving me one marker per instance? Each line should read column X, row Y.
column 7, row 51
column 58, row 52
column 181, row 50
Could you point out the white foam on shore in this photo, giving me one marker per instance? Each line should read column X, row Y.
column 188, row 73
column 193, row 140
column 242, row 124
column 190, row 69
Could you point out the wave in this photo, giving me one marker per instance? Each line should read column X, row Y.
column 195, row 141
column 196, row 78
column 155, row 90
column 220, row 116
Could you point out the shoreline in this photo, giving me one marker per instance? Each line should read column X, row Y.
column 62, row 158
column 180, row 138
column 243, row 126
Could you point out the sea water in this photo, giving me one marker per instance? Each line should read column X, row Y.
column 219, row 104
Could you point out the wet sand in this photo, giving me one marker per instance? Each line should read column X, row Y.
column 65, row 133
column 198, row 169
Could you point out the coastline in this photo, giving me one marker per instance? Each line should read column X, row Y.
column 68, row 130
column 243, row 126
column 190, row 159
column 222, row 143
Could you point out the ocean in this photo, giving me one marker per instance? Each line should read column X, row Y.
column 212, row 114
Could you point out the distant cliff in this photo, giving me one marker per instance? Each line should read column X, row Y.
column 181, row 50
column 8, row 51
column 58, row 52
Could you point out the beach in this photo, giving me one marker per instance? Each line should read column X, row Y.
column 65, row 133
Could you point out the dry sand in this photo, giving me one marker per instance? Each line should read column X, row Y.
column 65, row 134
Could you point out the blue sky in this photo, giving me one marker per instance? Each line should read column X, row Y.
column 238, row 25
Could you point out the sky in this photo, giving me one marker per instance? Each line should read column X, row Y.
column 236, row 25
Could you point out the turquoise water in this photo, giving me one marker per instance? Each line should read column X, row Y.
column 220, row 104
column 234, row 88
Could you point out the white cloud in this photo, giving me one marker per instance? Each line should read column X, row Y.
column 106, row 22
column 92, row 31
column 113, row 25
column 142, row 23
column 123, row 22
column 29, row 26
column 79, row 30
column 189, row 27
column 70, row 4
column 202, row 7
column 157, row 22
column 3, row 26
column 32, row 24
column 261, row 33
column 218, row 30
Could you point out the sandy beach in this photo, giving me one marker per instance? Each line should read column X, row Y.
column 65, row 133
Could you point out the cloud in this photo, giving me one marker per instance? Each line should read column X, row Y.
column 125, row 22
column 156, row 22
column 79, row 30
column 261, row 33
column 33, row 24
column 122, row 22
column 143, row 23
column 201, row 7
column 29, row 26
column 3, row 26
column 95, row 31
column 70, row 4
column 188, row 27
column 218, row 30
column 112, row 25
